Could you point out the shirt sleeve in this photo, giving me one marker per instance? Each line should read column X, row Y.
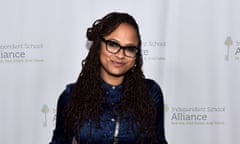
column 58, row 133
column 157, row 95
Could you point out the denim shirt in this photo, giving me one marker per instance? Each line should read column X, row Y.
column 105, row 134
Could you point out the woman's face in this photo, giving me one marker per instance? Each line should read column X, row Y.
column 116, row 65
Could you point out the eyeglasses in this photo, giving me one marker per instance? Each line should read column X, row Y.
column 114, row 47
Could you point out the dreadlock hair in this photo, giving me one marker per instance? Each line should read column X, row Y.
column 87, row 97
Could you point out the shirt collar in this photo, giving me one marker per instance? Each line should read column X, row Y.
column 107, row 86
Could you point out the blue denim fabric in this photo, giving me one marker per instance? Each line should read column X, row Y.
column 104, row 134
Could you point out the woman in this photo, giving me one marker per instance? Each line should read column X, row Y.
column 111, row 102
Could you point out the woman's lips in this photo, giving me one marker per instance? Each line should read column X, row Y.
column 118, row 64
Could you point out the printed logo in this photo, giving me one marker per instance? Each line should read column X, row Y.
column 228, row 42
column 233, row 49
column 153, row 50
column 166, row 108
column 196, row 115
column 45, row 110
column 21, row 53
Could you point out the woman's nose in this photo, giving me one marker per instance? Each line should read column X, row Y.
column 120, row 53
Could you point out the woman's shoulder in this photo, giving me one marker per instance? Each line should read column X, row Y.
column 65, row 95
column 155, row 91
column 152, row 84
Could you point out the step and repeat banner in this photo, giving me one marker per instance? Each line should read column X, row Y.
column 190, row 47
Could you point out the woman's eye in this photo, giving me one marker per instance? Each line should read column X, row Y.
column 131, row 48
column 112, row 44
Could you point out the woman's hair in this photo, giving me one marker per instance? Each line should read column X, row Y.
column 87, row 95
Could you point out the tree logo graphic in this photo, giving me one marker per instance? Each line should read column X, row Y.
column 166, row 107
column 228, row 42
column 45, row 110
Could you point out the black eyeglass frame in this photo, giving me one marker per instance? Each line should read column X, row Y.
column 120, row 47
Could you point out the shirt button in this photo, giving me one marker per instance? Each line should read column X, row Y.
column 113, row 87
column 105, row 135
column 113, row 120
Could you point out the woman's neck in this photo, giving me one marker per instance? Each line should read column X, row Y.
column 112, row 80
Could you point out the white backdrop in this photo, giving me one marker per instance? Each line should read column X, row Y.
column 190, row 47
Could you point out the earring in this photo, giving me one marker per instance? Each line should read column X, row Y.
column 133, row 68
